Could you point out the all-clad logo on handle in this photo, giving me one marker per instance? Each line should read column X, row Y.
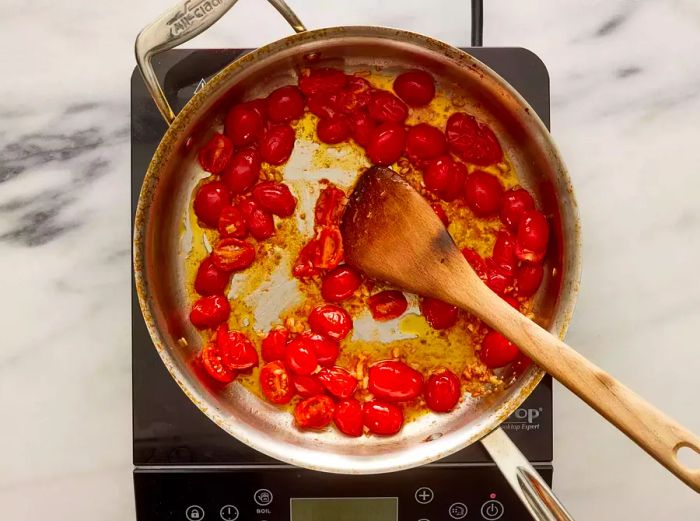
column 194, row 10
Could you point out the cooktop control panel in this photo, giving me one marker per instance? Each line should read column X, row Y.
column 283, row 493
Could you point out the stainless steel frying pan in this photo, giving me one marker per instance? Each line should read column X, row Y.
column 173, row 173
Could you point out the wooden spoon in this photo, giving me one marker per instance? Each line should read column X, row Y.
column 391, row 233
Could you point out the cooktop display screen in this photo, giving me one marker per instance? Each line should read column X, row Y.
column 345, row 509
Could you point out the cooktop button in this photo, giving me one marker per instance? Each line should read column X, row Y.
column 458, row 510
column 194, row 513
column 492, row 510
column 228, row 513
column 424, row 495
column 263, row 497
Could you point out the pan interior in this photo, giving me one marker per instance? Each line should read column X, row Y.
column 160, row 250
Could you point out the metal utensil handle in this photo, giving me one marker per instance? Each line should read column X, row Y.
column 524, row 479
column 179, row 24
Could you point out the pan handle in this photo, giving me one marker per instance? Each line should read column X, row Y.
column 524, row 479
column 179, row 24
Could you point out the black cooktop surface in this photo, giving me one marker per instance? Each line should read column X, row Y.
column 167, row 428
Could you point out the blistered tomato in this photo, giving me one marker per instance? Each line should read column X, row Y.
column 472, row 141
column 242, row 172
column 387, row 304
column 532, row 237
column 361, row 128
column 442, row 391
column 285, row 104
column 333, row 130
column 497, row 278
column 274, row 344
column 439, row 314
column 307, row 386
column 315, row 412
column 276, row 144
column 324, row 105
column 210, row 199
column 216, row 153
column 232, row 223
column 275, row 198
column 340, row 283
column 244, row 124
column 516, row 202
column 394, row 381
column 210, row 280
column 329, row 206
column 497, row 350
column 348, row 417
column 416, row 88
column 300, row 357
column 331, row 321
column 483, row 193
column 386, row 143
column 384, row 106
column 382, row 418
column 528, row 278
column 504, row 252
column 233, row 254
column 445, row 177
column 338, row 381
column 475, row 261
column 440, row 212
column 237, row 352
column 424, row 141
column 322, row 80
column 259, row 222
column 354, row 96
column 276, row 382
column 209, row 312
column 325, row 349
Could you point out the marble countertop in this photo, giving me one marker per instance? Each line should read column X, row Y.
column 625, row 83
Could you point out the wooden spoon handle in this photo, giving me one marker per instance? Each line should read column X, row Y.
column 650, row 428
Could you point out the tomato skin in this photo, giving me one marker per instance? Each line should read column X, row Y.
column 237, row 352
column 275, row 198
column 300, row 357
column 274, row 344
column 244, row 124
column 307, row 386
column 325, row 349
column 472, row 141
column 233, row 254
column 333, row 130
column 338, row 381
column 394, row 381
column 324, row 105
column 329, row 206
column 386, row 143
column 330, row 249
column 504, row 252
column 348, row 417
column 210, row 280
column 483, row 193
column 214, row 366
column 532, row 237
column 439, row 314
column 528, row 279
column 276, row 144
column 440, row 212
column 242, row 172
column 304, row 265
column 424, row 141
column 362, row 128
column 475, row 261
column 276, row 382
column 322, row 80
column 442, row 391
column 516, row 201
column 210, row 199
column 331, row 321
column 384, row 106
column 497, row 278
column 497, row 351
column 216, row 153
column 232, row 223
column 381, row 417
column 208, row 312
column 260, row 223
column 387, row 304
column 445, row 178
column 416, row 88
column 355, row 96
column 514, row 303
column 340, row 283
column 315, row 412
column 285, row 104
